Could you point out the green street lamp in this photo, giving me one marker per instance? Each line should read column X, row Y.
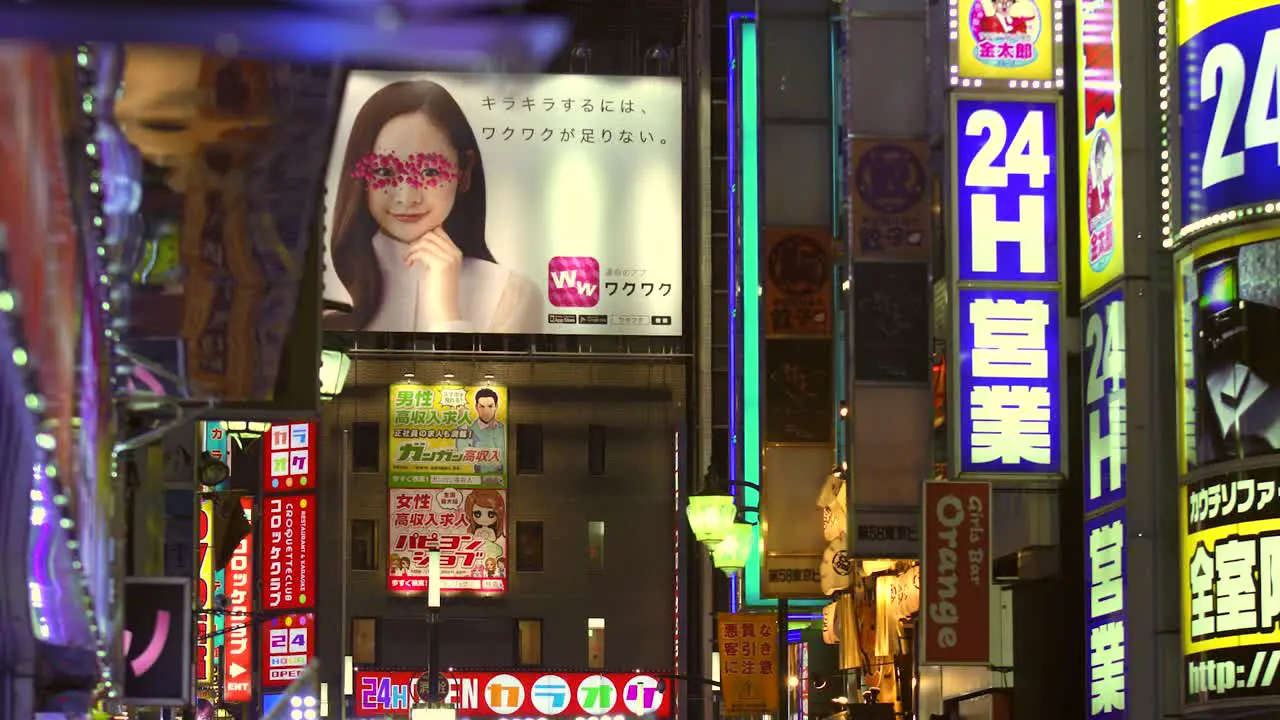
column 716, row 521
column 334, row 366
column 730, row 554
column 711, row 511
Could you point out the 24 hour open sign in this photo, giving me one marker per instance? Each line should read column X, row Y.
column 476, row 694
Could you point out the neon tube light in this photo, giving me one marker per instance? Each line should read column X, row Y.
column 736, row 414
column 745, row 193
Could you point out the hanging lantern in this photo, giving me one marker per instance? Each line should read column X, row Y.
column 730, row 554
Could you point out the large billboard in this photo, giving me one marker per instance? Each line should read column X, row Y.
column 1228, row 130
column 1010, row 43
column 468, row 526
column 381, row 693
column 1099, row 102
column 507, row 204
column 1230, row 601
column 448, row 435
column 1229, row 360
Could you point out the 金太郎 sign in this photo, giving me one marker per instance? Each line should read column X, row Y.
column 468, row 526
column 1106, row 621
column 568, row 203
column 519, row 694
column 1100, row 151
column 1007, row 190
column 1006, row 40
column 288, row 552
column 1010, row 381
column 749, row 662
column 289, row 458
column 288, row 644
column 956, row 575
column 237, row 651
column 1106, row 403
column 1228, row 64
column 448, row 436
column 1230, row 608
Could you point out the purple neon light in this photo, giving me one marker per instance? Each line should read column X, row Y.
column 735, row 24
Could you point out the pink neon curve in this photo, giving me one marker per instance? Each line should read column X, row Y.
column 143, row 662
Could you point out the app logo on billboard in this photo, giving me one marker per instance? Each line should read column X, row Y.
column 642, row 695
column 550, row 694
column 573, row 281
column 504, row 694
column 597, row 695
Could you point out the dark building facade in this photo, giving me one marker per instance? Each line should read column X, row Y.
column 590, row 519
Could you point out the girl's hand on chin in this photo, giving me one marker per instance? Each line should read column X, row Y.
column 441, row 259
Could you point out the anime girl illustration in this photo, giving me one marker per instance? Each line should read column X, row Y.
column 486, row 514
column 408, row 238
column 1100, row 189
column 1005, row 31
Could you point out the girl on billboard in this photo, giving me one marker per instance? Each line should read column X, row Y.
column 486, row 514
column 408, row 236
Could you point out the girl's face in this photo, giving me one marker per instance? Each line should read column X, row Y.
column 411, row 178
column 484, row 516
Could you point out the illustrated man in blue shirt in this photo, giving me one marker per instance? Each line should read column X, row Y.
column 487, row 431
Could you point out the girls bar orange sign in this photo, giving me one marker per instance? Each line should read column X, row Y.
column 955, row 583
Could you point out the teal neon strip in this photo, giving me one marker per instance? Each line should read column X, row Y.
column 752, row 330
column 750, row 192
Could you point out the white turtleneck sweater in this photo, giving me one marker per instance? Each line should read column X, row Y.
column 491, row 298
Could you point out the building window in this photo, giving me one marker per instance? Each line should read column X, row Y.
column 366, row 446
column 364, row 641
column 596, row 435
column 529, row 545
column 364, row 545
column 595, row 643
column 595, row 544
column 529, row 642
column 528, row 448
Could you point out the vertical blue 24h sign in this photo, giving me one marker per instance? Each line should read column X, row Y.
column 1106, row 581
column 1007, row 191
column 1105, row 437
column 1009, row 358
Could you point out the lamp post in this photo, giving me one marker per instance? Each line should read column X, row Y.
column 334, row 366
column 431, row 693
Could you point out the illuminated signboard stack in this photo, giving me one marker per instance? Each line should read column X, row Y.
column 1222, row 175
column 287, row 567
column 1099, row 223
column 1006, row 270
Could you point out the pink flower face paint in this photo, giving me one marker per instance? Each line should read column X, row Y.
column 422, row 171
